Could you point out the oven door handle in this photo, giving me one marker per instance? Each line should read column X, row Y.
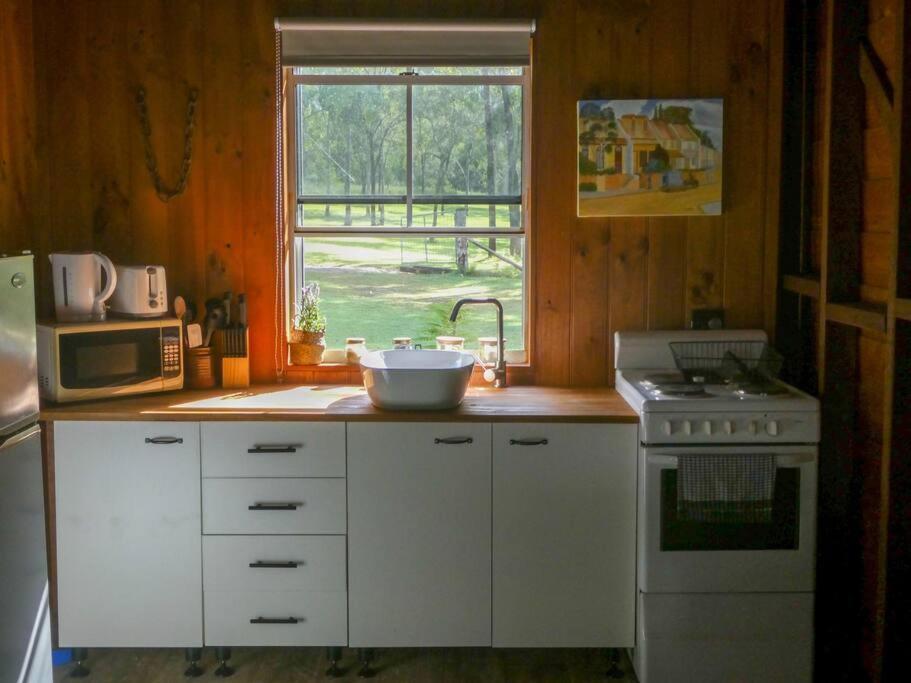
column 788, row 460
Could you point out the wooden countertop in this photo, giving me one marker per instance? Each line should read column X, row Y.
column 350, row 404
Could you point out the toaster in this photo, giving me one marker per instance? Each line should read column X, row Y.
column 141, row 292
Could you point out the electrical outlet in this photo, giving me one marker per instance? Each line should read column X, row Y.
column 707, row 319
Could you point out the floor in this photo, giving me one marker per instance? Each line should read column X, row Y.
column 290, row 665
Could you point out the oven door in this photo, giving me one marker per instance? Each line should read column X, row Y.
column 677, row 555
column 107, row 360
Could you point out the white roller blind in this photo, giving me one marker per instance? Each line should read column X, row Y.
column 345, row 42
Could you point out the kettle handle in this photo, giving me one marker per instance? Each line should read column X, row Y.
column 108, row 267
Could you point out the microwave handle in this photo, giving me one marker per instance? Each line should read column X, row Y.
column 788, row 460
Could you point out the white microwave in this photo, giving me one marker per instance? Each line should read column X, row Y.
column 84, row 361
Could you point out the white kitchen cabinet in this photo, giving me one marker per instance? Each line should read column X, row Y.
column 419, row 534
column 129, row 531
column 564, row 535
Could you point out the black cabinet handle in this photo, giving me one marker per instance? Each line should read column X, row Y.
column 276, row 620
column 454, row 440
column 261, row 564
column 274, row 506
column 528, row 442
column 164, row 440
column 279, row 448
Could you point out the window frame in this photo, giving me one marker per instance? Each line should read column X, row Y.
column 408, row 78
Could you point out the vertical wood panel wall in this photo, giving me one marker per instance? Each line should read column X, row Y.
column 73, row 174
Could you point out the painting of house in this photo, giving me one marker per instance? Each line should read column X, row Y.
column 650, row 157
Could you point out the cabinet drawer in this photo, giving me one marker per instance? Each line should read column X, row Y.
column 245, row 618
column 274, row 563
column 273, row 506
column 273, row 449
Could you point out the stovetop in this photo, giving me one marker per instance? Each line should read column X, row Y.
column 669, row 390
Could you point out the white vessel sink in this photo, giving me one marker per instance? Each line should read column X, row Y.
column 416, row 380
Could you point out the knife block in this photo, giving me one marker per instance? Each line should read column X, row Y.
column 234, row 369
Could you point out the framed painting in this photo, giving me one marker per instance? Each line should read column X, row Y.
column 650, row 157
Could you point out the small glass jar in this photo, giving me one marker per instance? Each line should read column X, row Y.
column 355, row 347
column 488, row 349
column 445, row 343
column 402, row 343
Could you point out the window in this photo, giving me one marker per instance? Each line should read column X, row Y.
column 410, row 194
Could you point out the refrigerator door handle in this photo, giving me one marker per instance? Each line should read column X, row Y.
column 19, row 437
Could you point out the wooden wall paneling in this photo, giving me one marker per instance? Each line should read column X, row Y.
column 109, row 94
column 590, row 340
column 222, row 141
column 70, row 147
column 670, row 67
column 553, row 125
column 186, row 214
column 745, row 212
column 151, row 40
column 777, row 23
column 19, row 132
column 258, row 98
column 709, row 77
column 628, row 50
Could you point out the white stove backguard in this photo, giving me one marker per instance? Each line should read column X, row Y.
column 651, row 350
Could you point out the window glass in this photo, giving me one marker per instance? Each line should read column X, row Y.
column 386, row 287
column 351, row 140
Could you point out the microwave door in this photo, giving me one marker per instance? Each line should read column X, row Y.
column 110, row 359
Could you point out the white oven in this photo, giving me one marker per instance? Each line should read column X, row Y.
column 684, row 556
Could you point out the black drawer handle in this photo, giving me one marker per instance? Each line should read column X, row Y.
column 276, row 620
column 290, row 448
column 261, row 564
column 528, row 442
column 454, row 440
column 164, row 440
column 275, row 506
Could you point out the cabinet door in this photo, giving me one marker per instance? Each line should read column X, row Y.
column 129, row 545
column 564, row 535
column 419, row 534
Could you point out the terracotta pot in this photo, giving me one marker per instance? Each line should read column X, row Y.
column 306, row 347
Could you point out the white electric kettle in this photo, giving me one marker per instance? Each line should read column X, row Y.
column 78, row 296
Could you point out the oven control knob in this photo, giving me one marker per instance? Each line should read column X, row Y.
column 668, row 427
column 687, row 427
column 707, row 427
column 752, row 427
column 772, row 428
column 728, row 427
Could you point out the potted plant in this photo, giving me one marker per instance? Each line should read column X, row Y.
column 308, row 328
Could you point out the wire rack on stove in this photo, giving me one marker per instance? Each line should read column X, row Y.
column 718, row 360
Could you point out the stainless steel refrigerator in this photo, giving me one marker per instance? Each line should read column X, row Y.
column 25, row 646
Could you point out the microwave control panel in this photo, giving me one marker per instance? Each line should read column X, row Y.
column 170, row 352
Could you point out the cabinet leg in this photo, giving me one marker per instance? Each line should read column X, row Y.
column 223, row 654
column 334, row 655
column 365, row 656
column 613, row 663
column 192, row 655
column 79, row 670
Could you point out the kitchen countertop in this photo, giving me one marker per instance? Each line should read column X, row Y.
column 351, row 404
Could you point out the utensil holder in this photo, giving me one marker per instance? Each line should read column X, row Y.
column 199, row 368
column 235, row 368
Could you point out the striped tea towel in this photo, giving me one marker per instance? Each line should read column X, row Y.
column 725, row 488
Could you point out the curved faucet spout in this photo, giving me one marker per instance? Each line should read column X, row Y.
column 500, row 368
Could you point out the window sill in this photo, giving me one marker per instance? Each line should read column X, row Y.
column 345, row 373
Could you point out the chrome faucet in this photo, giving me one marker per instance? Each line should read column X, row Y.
column 499, row 371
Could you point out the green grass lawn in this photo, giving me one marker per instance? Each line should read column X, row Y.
column 366, row 294
column 394, row 216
